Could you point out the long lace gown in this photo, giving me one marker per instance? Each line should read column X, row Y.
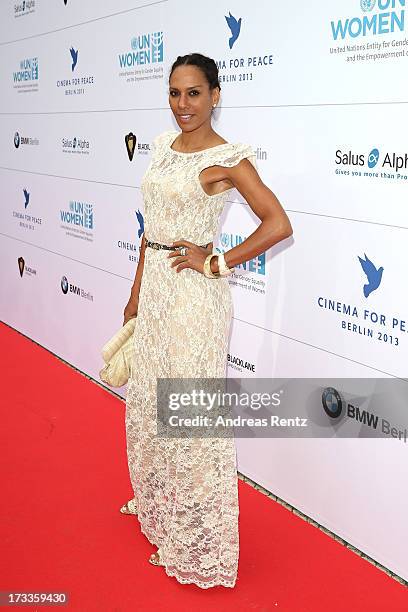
column 186, row 490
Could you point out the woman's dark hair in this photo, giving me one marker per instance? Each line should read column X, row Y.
column 206, row 64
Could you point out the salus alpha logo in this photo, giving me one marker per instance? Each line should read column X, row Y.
column 361, row 319
column 144, row 59
column 26, row 7
column 237, row 363
column 391, row 166
column 25, row 78
column 67, row 287
column 132, row 145
column 130, row 247
column 78, row 220
column 377, row 18
column 75, row 146
column 241, row 68
column 25, row 140
column 25, row 220
column 74, row 85
column 24, row 269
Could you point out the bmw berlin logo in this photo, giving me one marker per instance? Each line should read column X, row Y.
column 64, row 284
column 16, row 140
column 332, row 402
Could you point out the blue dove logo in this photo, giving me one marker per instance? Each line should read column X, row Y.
column 140, row 220
column 74, row 55
column 373, row 274
column 235, row 27
column 26, row 198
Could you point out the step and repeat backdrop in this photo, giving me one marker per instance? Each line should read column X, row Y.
column 319, row 90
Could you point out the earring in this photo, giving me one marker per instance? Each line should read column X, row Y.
column 214, row 105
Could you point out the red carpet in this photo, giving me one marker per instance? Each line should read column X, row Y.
column 64, row 477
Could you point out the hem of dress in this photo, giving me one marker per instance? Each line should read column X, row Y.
column 172, row 574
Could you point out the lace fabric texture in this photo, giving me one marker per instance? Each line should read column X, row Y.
column 186, row 490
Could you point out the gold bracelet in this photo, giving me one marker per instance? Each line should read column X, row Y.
column 207, row 267
column 222, row 266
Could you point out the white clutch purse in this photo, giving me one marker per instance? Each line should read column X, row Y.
column 117, row 355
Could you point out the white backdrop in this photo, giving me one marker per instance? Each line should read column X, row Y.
column 318, row 89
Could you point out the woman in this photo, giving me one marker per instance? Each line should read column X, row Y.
column 186, row 493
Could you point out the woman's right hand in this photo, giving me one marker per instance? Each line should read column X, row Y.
column 130, row 309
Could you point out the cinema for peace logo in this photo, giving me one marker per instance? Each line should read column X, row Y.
column 363, row 319
column 26, row 221
column 131, row 248
column 250, row 58
column 79, row 84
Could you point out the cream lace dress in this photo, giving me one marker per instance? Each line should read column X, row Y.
column 186, row 490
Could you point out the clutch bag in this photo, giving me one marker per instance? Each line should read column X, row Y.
column 117, row 355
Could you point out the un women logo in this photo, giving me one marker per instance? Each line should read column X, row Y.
column 367, row 5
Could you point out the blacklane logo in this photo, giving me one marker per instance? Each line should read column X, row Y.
column 133, row 144
column 237, row 363
column 21, row 264
column 332, row 402
column 24, row 269
column 130, row 141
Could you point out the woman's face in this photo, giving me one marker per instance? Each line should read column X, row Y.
column 190, row 97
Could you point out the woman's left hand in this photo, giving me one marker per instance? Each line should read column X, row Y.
column 194, row 258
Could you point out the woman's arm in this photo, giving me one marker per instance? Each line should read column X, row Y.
column 133, row 303
column 275, row 225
